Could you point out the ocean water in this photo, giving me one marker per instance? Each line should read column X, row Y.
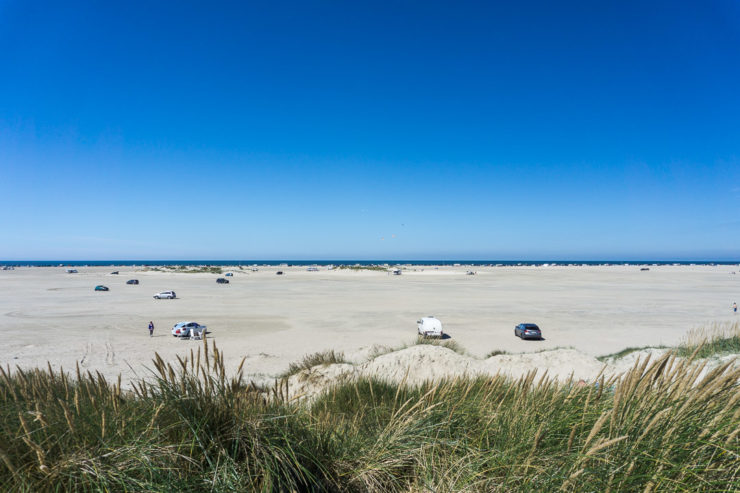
column 82, row 263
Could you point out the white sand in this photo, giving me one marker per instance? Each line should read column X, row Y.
column 49, row 315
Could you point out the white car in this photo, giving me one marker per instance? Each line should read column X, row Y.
column 183, row 329
column 167, row 295
column 430, row 327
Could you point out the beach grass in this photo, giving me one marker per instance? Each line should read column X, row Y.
column 713, row 340
column 662, row 427
column 328, row 357
column 717, row 339
column 626, row 351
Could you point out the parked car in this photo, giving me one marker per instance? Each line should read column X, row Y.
column 132, row 281
column 222, row 280
column 114, row 273
column 100, row 287
column 71, row 271
column 229, row 274
column 528, row 331
column 430, row 327
column 167, row 295
column 280, row 273
column 182, row 329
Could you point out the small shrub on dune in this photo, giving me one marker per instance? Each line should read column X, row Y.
column 449, row 344
column 715, row 340
column 310, row 360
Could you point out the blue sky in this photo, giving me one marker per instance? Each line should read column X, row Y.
column 469, row 130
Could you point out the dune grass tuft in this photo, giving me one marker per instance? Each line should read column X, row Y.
column 446, row 343
column 310, row 360
column 715, row 340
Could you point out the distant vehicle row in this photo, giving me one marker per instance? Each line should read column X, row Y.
column 431, row 327
column 100, row 287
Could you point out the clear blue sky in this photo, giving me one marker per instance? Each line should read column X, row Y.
column 525, row 130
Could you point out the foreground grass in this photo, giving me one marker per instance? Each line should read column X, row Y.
column 193, row 428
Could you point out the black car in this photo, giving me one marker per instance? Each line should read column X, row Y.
column 280, row 273
column 132, row 281
column 528, row 331
column 115, row 273
column 222, row 280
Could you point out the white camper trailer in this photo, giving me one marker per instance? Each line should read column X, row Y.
column 430, row 327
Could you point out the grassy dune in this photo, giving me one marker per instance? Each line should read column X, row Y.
column 193, row 428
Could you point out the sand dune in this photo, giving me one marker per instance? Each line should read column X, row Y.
column 424, row 362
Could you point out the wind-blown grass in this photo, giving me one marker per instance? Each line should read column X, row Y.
column 715, row 340
column 626, row 351
column 310, row 360
column 193, row 428
column 447, row 343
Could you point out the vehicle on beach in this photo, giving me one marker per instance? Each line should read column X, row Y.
column 114, row 273
column 165, row 295
column 132, row 281
column 100, row 287
column 528, row 331
column 229, row 274
column 222, row 280
column 313, row 269
column 187, row 329
column 396, row 272
column 430, row 327
column 71, row 271
column 279, row 273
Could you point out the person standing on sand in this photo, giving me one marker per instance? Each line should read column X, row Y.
column 734, row 307
column 151, row 328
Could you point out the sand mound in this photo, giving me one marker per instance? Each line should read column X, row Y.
column 560, row 364
column 417, row 364
column 420, row 363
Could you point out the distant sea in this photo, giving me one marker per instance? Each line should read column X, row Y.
column 82, row 263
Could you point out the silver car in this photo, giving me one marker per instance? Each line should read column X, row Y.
column 167, row 295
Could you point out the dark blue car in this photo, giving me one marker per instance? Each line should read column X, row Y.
column 528, row 331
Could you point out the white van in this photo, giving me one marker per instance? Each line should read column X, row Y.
column 430, row 327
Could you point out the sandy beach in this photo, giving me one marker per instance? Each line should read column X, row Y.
column 50, row 315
